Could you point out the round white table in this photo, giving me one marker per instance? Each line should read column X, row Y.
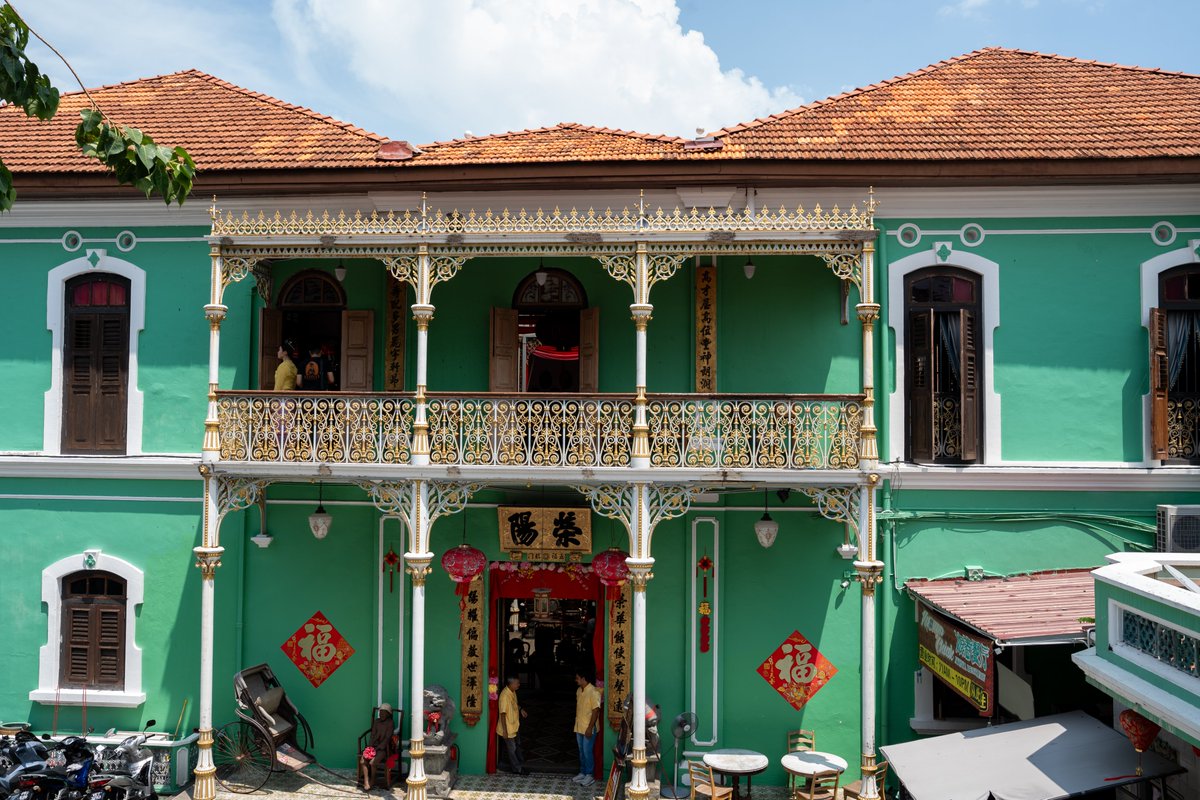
column 810, row 762
column 735, row 763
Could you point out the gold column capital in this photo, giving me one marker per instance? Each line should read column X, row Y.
column 870, row 575
column 207, row 560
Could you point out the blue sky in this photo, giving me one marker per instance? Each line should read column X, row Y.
column 424, row 70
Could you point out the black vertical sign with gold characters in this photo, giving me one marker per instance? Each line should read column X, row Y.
column 473, row 674
column 620, row 630
column 706, row 329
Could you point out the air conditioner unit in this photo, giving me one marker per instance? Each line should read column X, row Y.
column 1178, row 529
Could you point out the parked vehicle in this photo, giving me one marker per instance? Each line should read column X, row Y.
column 64, row 775
column 20, row 755
column 124, row 770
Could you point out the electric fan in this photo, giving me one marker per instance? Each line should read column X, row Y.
column 683, row 727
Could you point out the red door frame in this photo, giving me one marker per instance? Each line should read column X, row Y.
column 518, row 584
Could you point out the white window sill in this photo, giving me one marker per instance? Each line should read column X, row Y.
column 77, row 697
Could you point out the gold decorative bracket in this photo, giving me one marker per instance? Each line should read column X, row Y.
column 423, row 271
column 835, row 503
column 234, row 494
column 623, row 502
column 236, row 268
column 641, row 270
column 846, row 266
column 449, row 497
column 397, row 498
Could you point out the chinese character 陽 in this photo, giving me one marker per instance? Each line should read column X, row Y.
column 522, row 529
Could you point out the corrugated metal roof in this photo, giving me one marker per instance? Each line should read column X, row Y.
column 1022, row 609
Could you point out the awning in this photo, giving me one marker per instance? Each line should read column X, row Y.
column 1041, row 608
column 1065, row 755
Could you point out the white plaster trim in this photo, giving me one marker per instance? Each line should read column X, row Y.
column 102, row 213
column 48, row 655
column 989, row 271
column 1137, row 691
column 112, row 241
column 1133, row 655
column 1133, row 572
column 55, row 300
column 1151, row 269
column 1050, row 476
column 181, row 466
column 695, row 620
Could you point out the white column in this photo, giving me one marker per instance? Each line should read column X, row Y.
column 640, row 565
column 870, row 573
column 640, row 310
column 423, row 313
column 214, row 312
column 208, row 558
column 418, row 559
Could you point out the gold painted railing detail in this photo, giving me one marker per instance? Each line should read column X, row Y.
column 337, row 428
column 1183, row 427
column 530, row 431
column 755, row 433
column 718, row 432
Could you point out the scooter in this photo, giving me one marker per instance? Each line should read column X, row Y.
column 126, row 770
column 19, row 755
column 66, row 782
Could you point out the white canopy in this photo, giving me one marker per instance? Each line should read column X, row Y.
column 1041, row 759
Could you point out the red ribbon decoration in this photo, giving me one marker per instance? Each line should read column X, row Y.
column 391, row 562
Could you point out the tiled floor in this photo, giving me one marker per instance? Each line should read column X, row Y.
column 290, row 786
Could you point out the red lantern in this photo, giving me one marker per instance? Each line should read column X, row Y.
column 611, row 569
column 463, row 564
column 1140, row 731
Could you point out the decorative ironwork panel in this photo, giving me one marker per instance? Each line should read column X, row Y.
column 1167, row 645
column 1183, row 427
column 780, row 433
column 533, row 431
column 344, row 428
column 947, row 427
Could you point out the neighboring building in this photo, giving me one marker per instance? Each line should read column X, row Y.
column 1034, row 224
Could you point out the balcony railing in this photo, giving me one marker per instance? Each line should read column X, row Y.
column 720, row 432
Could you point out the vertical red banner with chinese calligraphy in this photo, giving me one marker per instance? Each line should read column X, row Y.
column 620, row 640
column 706, row 329
column 473, row 672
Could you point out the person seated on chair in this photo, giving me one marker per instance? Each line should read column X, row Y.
column 378, row 749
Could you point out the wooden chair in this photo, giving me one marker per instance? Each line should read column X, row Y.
column 384, row 736
column 854, row 790
column 824, row 786
column 799, row 740
column 700, row 775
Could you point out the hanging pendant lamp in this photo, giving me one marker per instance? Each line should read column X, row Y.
column 319, row 521
column 766, row 529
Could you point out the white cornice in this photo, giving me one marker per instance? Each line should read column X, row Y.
column 1081, row 477
column 170, row 467
column 86, row 213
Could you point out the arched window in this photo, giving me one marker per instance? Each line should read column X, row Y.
column 95, row 364
column 942, row 371
column 93, row 631
column 1175, row 367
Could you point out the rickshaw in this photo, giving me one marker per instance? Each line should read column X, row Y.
column 270, row 733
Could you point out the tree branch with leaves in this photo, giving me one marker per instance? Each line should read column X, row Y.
column 131, row 155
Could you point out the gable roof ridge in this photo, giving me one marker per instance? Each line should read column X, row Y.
column 754, row 123
column 561, row 126
column 233, row 87
column 1091, row 62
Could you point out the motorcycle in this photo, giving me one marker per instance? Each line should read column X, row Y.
column 19, row 755
column 62, row 777
column 125, row 771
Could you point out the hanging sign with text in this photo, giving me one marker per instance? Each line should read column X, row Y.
column 545, row 534
column 472, row 677
column 961, row 660
column 706, row 329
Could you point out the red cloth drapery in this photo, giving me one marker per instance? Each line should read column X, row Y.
column 554, row 354
column 518, row 584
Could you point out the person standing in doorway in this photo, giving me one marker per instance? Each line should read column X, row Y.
column 587, row 724
column 317, row 374
column 287, row 379
column 509, row 724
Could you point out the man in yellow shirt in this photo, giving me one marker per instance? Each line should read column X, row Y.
column 588, row 701
column 509, row 724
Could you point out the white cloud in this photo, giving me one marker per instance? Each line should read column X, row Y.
column 495, row 65
column 964, row 8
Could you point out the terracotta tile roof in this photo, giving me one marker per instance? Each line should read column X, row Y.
column 1023, row 607
column 567, row 141
column 993, row 103
column 223, row 126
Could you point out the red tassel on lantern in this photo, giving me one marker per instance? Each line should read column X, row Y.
column 1141, row 732
column 611, row 569
column 463, row 564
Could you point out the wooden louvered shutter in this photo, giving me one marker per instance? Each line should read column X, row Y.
column 78, row 410
column 589, row 350
column 504, row 341
column 109, row 658
column 96, row 363
column 111, row 379
column 920, row 386
column 77, row 644
column 968, row 385
column 1160, row 378
column 270, row 335
column 358, row 351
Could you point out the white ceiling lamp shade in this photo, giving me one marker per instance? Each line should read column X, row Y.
column 320, row 521
column 339, row 272
column 766, row 529
column 541, row 274
column 748, row 268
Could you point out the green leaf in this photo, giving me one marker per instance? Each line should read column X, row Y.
column 8, row 194
column 147, row 154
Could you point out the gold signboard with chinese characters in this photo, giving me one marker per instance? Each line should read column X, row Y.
column 471, row 701
column 620, row 635
column 706, row 329
column 545, row 534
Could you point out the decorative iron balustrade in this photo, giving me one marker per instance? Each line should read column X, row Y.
column 1164, row 644
column 696, row 431
column 947, row 426
column 1183, row 427
column 785, row 432
column 426, row 222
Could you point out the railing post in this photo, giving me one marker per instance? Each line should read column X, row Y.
column 640, row 310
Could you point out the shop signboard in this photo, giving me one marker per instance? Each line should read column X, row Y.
column 963, row 661
column 545, row 534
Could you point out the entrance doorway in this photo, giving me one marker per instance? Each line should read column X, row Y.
column 545, row 628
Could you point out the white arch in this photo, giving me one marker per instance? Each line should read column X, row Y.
column 1151, row 269
column 942, row 254
column 56, row 283
column 48, row 656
